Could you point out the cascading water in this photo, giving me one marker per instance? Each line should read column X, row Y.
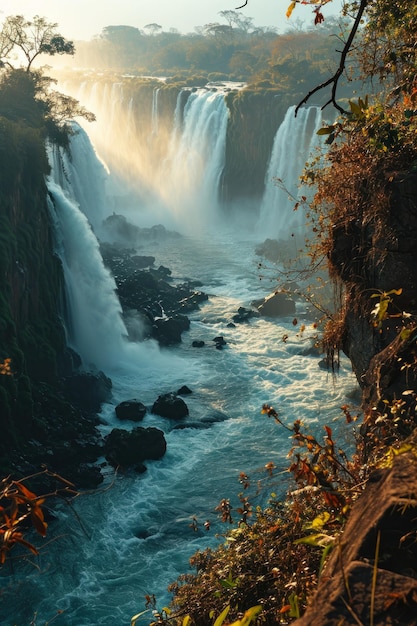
column 294, row 143
column 135, row 536
column 173, row 178
column 155, row 111
column 191, row 173
column 96, row 329
column 83, row 177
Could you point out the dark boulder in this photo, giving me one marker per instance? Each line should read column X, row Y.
column 198, row 343
column 140, row 262
column 88, row 391
column 167, row 330
column 277, row 305
column 219, row 342
column 123, row 448
column 170, row 405
column 133, row 410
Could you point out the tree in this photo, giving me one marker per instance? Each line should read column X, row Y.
column 153, row 28
column 32, row 38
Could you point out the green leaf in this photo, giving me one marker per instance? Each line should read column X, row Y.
column 250, row 615
column 228, row 582
column 295, row 609
column 219, row 621
column 319, row 540
column 325, row 130
column 355, row 108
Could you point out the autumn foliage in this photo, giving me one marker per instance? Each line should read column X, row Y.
column 22, row 511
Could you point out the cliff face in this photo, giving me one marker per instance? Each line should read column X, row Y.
column 31, row 332
column 371, row 262
column 255, row 116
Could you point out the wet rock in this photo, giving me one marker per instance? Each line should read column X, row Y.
column 123, row 448
column 278, row 304
column 171, row 406
column 133, row 410
column 198, row 343
column 88, row 391
column 244, row 315
column 168, row 330
column 219, row 342
column 184, row 391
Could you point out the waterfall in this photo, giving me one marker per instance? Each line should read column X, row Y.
column 294, row 143
column 82, row 175
column 95, row 329
column 94, row 324
column 161, row 170
column 189, row 184
column 155, row 120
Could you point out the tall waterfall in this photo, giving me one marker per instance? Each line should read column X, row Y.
column 95, row 328
column 168, row 172
column 294, row 143
column 191, row 173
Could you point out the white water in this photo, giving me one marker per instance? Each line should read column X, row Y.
column 294, row 143
column 165, row 175
column 138, row 531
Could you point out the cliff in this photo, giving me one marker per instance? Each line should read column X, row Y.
column 255, row 116
column 39, row 414
column 31, row 332
column 371, row 575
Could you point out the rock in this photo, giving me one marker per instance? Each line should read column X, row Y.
column 384, row 510
column 198, row 343
column 276, row 250
column 219, row 343
column 184, row 391
column 141, row 262
column 170, row 405
column 244, row 315
column 88, row 391
column 168, row 330
column 124, row 448
column 277, row 305
column 133, row 410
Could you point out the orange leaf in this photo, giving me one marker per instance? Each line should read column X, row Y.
column 25, row 491
column 290, row 9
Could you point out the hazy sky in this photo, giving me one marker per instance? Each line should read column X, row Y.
column 82, row 19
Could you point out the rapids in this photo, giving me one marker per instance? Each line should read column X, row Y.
column 133, row 537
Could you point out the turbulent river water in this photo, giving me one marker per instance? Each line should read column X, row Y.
column 133, row 536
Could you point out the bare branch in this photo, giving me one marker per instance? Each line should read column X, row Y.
column 335, row 78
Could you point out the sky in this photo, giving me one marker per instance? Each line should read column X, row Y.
column 83, row 19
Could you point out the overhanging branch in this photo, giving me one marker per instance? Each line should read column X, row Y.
column 333, row 80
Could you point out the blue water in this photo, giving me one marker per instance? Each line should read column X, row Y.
column 138, row 526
